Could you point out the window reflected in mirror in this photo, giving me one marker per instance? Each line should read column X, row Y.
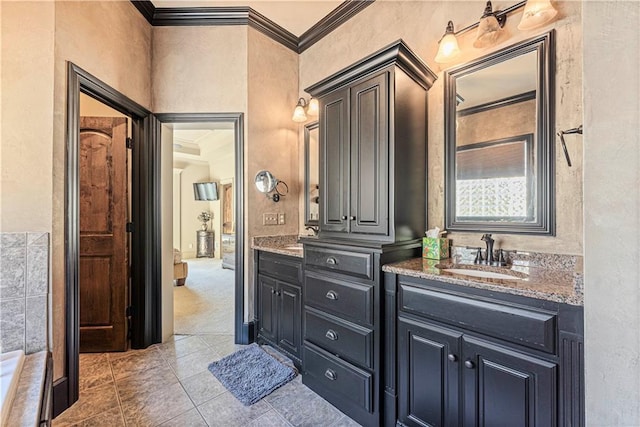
column 499, row 141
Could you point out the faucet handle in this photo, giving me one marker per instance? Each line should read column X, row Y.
column 478, row 259
column 486, row 237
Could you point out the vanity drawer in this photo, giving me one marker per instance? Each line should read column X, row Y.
column 280, row 267
column 534, row 329
column 346, row 339
column 352, row 301
column 343, row 380
column 352, row 263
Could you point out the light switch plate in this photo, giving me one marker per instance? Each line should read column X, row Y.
column 281, row 220
column 269, row 219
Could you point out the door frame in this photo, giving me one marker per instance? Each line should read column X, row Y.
column 243, row 331
column 145, row 211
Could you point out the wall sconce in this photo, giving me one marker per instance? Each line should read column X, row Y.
column 536, row 13
column 312, row 108
column 448, row 48
column 489, row 27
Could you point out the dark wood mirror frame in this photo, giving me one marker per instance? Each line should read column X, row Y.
column 544, row 147
column 307, row 179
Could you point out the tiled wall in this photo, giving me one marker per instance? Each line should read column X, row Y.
column 24, row 285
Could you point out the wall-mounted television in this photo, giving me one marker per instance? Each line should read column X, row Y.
column 206, row 191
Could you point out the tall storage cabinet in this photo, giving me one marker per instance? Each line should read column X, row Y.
column 373, row 145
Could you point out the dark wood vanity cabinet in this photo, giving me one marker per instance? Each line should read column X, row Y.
column 476, row 367
column 372, row 130
column 343, row 346
column 279, row 302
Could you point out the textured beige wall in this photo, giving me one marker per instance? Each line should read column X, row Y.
column 199, row 69
column 612, row 212
column 27, row 116
column 421, row 24
column 112, row 41
column 272, row 141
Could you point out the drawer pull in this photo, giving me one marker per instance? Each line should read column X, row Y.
column 469, row 364
column 332, row 335
column 332, row 295
column 331, row 374
column 331, row 261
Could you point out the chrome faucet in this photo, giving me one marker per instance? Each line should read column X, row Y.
column 312, row 228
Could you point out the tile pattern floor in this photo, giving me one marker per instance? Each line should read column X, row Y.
column 169, row 385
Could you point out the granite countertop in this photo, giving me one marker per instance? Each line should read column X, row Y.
column 558, row 285
column 278, row 245
column 25, row 410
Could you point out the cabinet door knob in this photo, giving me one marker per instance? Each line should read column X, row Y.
column 352, row 218
column 469, row 364
column 344, row 217
column 332, row 295
column 331, row 261
column 452, row 357
column 273, row 291
column 278, row 293
column 332, row 335
column 331, row 374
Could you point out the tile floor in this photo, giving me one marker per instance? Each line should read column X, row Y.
column 169, row 385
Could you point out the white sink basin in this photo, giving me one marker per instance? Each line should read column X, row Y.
column 480, row 273
column 297, row 246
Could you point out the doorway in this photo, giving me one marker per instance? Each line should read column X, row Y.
column 203, row 227
column 224, row 242
column 104, row 174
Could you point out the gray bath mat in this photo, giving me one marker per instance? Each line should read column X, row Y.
column 251, row 374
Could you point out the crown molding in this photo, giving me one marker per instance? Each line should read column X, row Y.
column 244, row 15
column 338, row 16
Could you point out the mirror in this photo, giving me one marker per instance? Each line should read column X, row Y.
column 267, row 183
column 311, row 174
column 499, row 141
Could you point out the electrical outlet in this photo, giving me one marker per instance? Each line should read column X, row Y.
column 281, row 219
column 269, row 219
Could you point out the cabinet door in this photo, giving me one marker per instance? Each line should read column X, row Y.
column 334, row 161
column 289, row 318
column 505, row 388
column 369, row 211
column 428, row 374
column 267, row 307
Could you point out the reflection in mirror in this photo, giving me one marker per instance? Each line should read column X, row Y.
column 499, row 141
column 311, row 174
column 265, row 182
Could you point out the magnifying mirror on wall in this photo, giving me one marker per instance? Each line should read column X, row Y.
column 267, row 183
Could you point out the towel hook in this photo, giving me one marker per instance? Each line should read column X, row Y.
column 561, row 134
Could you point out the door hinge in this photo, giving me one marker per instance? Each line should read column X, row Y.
column 129, row 227
column 129, row 143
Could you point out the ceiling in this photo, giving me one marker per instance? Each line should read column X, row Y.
column 295, row 16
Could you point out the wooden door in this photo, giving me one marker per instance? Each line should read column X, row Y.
column 227, row 208
column 369, row 211
column 103, row 238
column 334, row 161
column 507, row 388
column 428, row 372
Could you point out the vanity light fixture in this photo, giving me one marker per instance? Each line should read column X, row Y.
column 448, row 47
column 311, row 107
column 489, row 27
column 536, row 13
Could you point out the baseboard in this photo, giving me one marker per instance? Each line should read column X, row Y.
column 248, row 335
column 60, row 396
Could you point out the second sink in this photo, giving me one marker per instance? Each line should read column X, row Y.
column 481, row 273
